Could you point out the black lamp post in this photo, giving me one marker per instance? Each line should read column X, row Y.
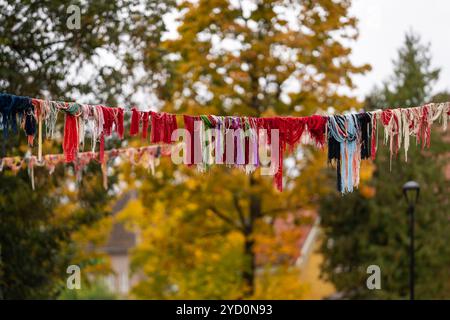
column 411, row 191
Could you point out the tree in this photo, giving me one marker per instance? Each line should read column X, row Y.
column 41, row 56
column 240, row 58
column 372, row 228
column 413, row 77
column 90, row 291
column 36, row 245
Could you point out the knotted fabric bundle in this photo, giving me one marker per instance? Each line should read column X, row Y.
column 12, row 107
column 343, row 137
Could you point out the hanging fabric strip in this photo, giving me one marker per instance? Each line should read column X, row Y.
column 81, row 130
column 344, row 130
column 219, row 139
column 334, row 157
column 193, row 127
column 11, row 107
column 112, row 120
column 163, row 124
column 189, row 127
column 392, row 131
column 316, row 127
column 374, row 136
column 208, row 124
column 99, row 122
column 294, row 131
column 240, row 141
column 145, row 122
column 134, row 127
column 145, row 156
column 39, row 117
column 253, row 162
column 425, row 127
column 29, row 125
column 276, row 123
column 118, row 121
column 70, row 144
column 365, row 124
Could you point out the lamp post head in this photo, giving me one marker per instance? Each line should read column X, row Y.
column 411, row 191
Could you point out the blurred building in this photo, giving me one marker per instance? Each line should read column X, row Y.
column 118, row 246
column 303, row 228
column 303, row 225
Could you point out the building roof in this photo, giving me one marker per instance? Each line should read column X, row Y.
column 120, row 240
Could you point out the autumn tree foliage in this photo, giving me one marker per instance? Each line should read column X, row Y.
column 202, row 232
column 40, row 56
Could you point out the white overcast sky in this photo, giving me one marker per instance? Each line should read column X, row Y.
column 382, row 26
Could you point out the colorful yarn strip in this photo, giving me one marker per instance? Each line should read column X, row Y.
column 343, row 130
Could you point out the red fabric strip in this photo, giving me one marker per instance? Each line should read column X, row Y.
column 113, row 117
column 386, row 116
column 294, row 130
column 424, row 133
column 189, row 126
column 70, row 142
column 316, row 127
column 163, row 124
column 101, row 152
column 119, row 123
column 145, row 123
column 134, row 127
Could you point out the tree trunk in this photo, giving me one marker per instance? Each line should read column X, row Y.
column 249, row 273
column 249, row 270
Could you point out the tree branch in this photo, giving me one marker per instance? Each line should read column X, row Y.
column 225, row 218
column 214, row 233
column 239, row 210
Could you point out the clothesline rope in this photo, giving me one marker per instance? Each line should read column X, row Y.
column 146, row 157
column 350, row 137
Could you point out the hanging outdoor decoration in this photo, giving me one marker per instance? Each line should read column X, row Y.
column 350, row 137
column 146, row 157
